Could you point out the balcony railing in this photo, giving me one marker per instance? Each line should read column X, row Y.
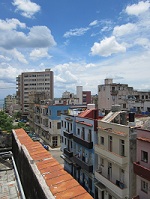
column 68, row 153
column 88, row 145
column 82, row 164
column 45, row 128
column 117, row 187
column 114, row 92
column 120, row 160
column 141, row 171
column 68, row 135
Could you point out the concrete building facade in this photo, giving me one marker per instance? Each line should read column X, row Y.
column 34, row 81
column 115, row 153
column 78, row 138
column 129, row 99
column 45, row 121
column 142, row 164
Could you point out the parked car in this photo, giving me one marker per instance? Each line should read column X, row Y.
column 35, row 138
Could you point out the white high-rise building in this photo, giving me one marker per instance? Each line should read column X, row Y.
column 34, row 81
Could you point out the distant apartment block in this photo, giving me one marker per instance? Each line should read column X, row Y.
column 45, row 121
column 34, row 81
column 80, row 98
column 129, row 99
column 10, row 104
column 142, row 164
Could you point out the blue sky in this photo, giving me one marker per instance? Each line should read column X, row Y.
column 83, row 42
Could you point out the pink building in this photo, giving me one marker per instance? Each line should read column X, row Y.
column 142, row 166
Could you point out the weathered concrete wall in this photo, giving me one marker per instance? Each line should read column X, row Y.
column 28, row 172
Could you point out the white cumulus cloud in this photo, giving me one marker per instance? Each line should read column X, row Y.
column 107, row 47
column 39, row 53
column 37, row 37
column 137, row 9
column 11, row 24
column 124, row 29
column 26, row 7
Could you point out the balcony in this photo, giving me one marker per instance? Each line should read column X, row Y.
column 68, row 153
column 141, row 171
column 114, row 92
column 68, row 135
column 45, row 128
column 120, row 160
column 118, row 188
column 88, row 145
column 82, row 164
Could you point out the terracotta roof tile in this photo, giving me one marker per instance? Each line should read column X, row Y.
column 54, row 174
column 63, row 186
column 71, row 193
column 59, row 179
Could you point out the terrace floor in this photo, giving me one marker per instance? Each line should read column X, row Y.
column 8, row 183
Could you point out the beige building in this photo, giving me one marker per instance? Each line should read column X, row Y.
column 115, row 153
column 10, row 104
column 115, row 93
column 34, row 81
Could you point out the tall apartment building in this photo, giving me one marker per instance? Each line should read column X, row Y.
column 34, row 81
column 129, row 99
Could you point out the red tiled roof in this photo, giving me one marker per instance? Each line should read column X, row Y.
column 84, row 123
column 85, row 113
column 144, row 139
column 61, row 184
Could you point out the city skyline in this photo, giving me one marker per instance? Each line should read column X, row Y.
column 82, row 42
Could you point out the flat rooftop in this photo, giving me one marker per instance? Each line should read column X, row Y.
column 8, row 182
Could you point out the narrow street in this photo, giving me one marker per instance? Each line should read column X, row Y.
column 56, row 154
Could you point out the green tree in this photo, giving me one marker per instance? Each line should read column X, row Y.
column 6, row 123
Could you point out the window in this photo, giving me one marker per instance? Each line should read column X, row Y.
column 122, row 175
column 83, row 133
column 71, row 126
column 54, row 141
column 90, row 135
column 102, row 140
column 144, row 156
column 58, row 113
column 50, row 125
column 122, row 147
column 144, row 186
column 124, row 106
column 102, row 162
column 78, row 131
column 62, row 139
column 62, row 123
column 110, row 143
column 58, row 125
column 65, row 124
column 109, row 197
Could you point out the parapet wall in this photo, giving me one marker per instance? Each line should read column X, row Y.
column 33, row 183
column 42, row 177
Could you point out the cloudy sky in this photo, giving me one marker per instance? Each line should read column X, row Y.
column 83, row 42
